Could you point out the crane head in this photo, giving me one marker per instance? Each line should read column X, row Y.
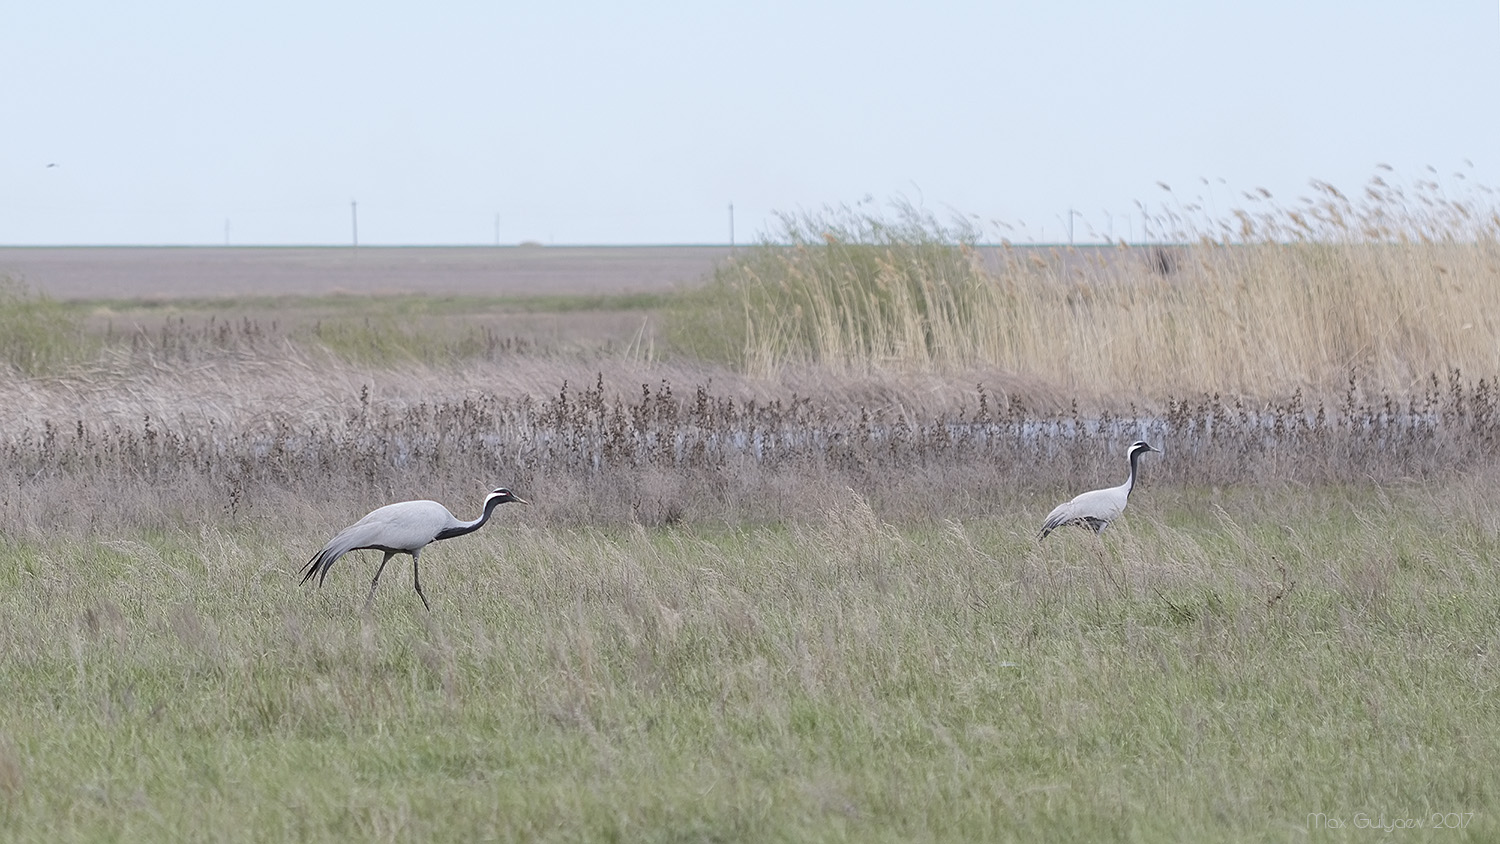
column 502, row 495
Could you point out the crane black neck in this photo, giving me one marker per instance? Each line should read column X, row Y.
column 490, row 503
column 462, row 528
column 1135, row 455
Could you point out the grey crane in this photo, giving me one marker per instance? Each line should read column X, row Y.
column 1095, row 509
column 405, row 527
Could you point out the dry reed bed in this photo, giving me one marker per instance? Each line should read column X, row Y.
column 661, row 444
column 1259, row 320
column 1395, row 285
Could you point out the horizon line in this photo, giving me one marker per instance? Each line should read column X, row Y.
column 539, row 245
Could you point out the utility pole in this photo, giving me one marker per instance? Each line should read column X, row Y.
column 731, row 226
column 354, row 219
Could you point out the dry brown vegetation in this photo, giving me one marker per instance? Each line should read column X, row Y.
column 658, row 443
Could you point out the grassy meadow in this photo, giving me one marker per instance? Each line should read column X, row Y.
column 779, row 578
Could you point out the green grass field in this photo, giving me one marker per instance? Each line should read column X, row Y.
column 1217, row 668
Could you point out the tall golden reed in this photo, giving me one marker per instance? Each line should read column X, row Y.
column 1392, row 287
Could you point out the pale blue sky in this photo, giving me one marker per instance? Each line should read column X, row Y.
column 639, row 123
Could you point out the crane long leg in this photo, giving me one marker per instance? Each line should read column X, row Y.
column 371, row 600
column 416, row 579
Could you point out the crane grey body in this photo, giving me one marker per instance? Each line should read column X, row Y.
column 1097, row 508
column 402, row 528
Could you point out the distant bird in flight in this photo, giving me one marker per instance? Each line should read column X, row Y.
column 53, row 164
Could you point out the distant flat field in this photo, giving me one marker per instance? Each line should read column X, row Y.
column 74, row 273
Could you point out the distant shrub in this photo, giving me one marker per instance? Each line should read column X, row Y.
column 37, row 335
column 842, row 287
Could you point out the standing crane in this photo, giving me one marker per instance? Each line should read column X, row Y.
column 1095, row 509
column 405, row 527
